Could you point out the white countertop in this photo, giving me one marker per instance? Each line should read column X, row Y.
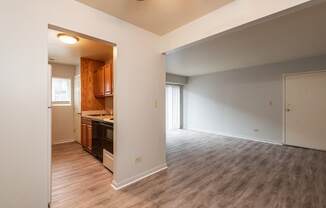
column 99, row 118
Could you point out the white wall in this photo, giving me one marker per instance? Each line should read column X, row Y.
column 23, row 88
column 63, row 116
column 245, row 103
column 23, row 63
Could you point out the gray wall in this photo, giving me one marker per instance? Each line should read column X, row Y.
column 245, row 103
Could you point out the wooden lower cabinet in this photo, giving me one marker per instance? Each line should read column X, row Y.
column 83, row 134
column 86, row 134
column 89, row 138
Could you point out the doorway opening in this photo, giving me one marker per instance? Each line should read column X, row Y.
column 81, row 113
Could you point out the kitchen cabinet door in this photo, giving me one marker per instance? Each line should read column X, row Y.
column 108, row 80
column 99, row 82
column 83, row 134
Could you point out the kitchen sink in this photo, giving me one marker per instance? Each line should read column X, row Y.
column 105, row 117
column 99, row 115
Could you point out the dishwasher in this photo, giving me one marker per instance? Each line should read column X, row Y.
column 108, row 145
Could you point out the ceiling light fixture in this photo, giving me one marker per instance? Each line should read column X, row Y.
column 68, row 39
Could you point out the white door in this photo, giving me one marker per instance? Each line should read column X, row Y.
column 77, row 108
column 305, row 118
column 172, row 107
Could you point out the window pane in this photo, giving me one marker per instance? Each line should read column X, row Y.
column 61, row 90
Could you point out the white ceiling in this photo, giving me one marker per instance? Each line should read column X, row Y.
column 70, row 54
column 296, row 35
column 157, row 16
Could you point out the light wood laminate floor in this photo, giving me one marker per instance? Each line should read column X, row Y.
column 205, row 170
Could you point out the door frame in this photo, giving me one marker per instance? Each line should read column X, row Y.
column 77, row 77
column 49, row 131
column 49, row 92
column 284, row 76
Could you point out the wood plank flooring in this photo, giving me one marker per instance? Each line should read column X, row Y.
column 205, row 170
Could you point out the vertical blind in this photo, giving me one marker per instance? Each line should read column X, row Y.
column 172, row 107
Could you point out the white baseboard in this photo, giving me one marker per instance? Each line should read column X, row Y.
column 237, row 137
column 141, row 176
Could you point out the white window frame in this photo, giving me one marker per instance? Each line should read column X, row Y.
column 62, row 103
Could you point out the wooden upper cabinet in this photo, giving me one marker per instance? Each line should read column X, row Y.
column 108, row 80
column 103, row 81
column 99, row 82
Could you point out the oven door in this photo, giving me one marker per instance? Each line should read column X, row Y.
column 108, row 138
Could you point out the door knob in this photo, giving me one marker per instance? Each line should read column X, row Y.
column 288, row 110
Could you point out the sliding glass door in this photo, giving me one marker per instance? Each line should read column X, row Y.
column 173, row 103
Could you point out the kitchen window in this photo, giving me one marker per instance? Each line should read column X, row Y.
column 61, row 91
